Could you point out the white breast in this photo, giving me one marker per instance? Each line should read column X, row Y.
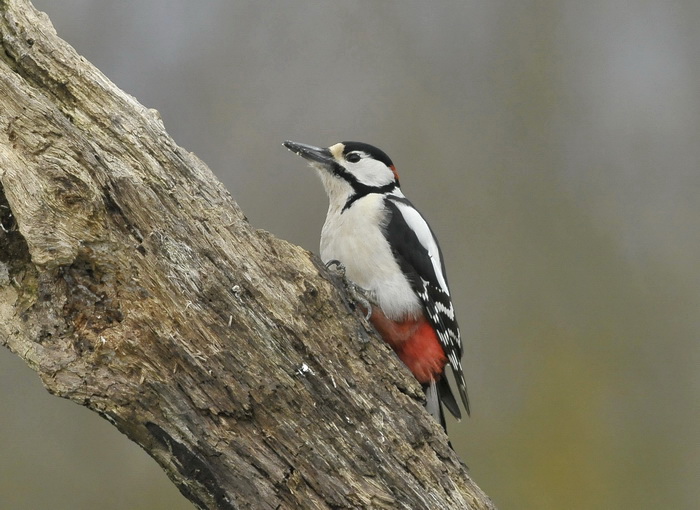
column 355, row 239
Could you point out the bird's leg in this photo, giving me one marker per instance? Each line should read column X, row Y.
column 356, row 292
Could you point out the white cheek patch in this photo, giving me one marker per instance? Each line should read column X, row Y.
column 371, row 172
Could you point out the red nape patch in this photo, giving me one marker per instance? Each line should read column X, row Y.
column 415, row 342
column 393, row 170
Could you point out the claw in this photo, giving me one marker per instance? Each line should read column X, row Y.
column 356, row 292
column 337, row 264
column 358, row 295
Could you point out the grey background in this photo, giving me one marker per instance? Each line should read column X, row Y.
column 553, row 146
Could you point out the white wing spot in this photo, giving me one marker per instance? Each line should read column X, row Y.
column 450, row 312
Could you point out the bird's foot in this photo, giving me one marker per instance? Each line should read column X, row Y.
column 356, row 292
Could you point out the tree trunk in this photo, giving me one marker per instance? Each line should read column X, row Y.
column 133, row 284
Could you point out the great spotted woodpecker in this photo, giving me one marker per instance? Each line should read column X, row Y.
column 388, row 249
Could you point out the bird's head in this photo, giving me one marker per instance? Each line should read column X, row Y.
column 350, row 169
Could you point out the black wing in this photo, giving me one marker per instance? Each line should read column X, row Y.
column 417, row 251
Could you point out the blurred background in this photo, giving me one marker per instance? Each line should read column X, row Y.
column 553, row 145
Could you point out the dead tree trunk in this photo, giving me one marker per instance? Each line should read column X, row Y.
column 133, row 284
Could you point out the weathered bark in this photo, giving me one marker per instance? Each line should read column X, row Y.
column 133, row 284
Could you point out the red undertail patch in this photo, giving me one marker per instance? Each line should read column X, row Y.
column 415, row 342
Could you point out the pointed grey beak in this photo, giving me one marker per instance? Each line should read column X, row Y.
column 315, row 154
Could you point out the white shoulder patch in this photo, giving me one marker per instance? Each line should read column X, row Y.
column 417, row 223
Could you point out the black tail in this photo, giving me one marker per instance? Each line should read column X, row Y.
column 437, row 394
column 435, row 397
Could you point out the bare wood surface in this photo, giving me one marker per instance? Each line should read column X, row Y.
column 133, row 284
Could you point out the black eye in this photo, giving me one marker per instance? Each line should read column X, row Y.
column 353, row 157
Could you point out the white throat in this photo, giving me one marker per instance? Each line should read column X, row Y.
column 338, row 190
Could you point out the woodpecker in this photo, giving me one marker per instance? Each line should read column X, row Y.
column 388, row 250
